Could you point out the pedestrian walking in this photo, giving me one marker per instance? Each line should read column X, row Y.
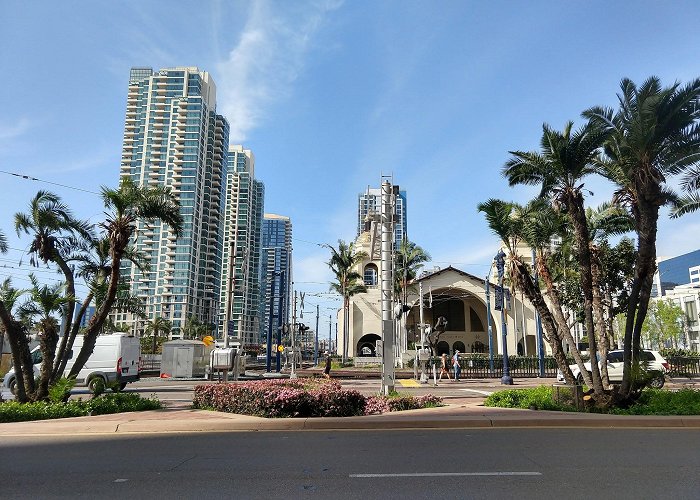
column 444, row 367
column 457, row 367
column 327, row 369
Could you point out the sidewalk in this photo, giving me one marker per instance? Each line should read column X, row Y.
column 460, row 413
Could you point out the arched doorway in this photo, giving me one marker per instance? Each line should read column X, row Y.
column 458, row 346
column 443, row 348
column 367, row 345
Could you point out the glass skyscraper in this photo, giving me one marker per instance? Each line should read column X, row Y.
column 173, row 137
column 277, row 272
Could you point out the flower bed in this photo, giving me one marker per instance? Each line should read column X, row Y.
column 300, row 398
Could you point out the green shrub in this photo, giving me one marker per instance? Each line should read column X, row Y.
column 538, row 397
column 660, row 402
column 651, row 402
column 12, row 411
column 59, row 392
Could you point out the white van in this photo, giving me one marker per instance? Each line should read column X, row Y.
column 115, row 361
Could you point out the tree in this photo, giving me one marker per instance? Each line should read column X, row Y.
column 664, row 325
column 565, row 159
column 44, row 302
column 348, row 282
column 408, row 260
column 16, row 335
column 156, row 327
column 127, row 205
column 194, row 328
column 512, row 223
column 53, row 227
column 652, row 136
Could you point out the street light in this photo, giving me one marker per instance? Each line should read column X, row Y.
column 488, row 316
column 500, row 267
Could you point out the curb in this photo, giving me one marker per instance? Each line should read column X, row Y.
column 447, row 417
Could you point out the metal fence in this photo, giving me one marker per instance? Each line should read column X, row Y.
column 150, row 362
column 520, row 366
column 683, row 366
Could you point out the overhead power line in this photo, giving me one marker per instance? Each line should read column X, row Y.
column 30, row 178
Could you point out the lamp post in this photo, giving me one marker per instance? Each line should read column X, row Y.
column 500, row 267
column 488, row 317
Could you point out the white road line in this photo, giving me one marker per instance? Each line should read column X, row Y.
column 483, row 393
column 449, row 474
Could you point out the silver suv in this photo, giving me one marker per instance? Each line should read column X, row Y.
column 653, row 362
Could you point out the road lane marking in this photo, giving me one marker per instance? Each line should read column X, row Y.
column 409, row 383
column 448, row 474
column 483, row 393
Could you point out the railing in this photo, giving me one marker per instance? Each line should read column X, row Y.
column 520, row 366
column 150, row 362
column 683, row 366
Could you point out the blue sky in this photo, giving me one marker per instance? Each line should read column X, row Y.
column 330, row 96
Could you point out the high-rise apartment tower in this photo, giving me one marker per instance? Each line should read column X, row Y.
column 173, row 137
column 243, row 215
column 369, row 206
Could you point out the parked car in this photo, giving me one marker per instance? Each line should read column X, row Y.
column 654, row 363
column 115, row 361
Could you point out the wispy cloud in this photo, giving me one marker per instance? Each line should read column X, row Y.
column 13, row 130
column 267, row 59
column 10, row 133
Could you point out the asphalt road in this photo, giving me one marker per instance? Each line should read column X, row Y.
column 489, row 463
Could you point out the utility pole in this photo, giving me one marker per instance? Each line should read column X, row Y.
column 316, row 342
column 293, row 373
column 387, row 218
column 268, row 364
column 423, row 374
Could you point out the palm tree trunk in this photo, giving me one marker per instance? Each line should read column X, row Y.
column 68, row 315
column 577, row 215
column 558, row 313
column 21, row 358
column 119, row 243
column 534, row 295
column 346, row 326
column 47, row 345
column 644, row 268
column 62, row 356
column 598, row 314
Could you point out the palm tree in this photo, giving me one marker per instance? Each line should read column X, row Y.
column 349, row 282
column 653, row 135
column 128, row 205
column 566, row 158
column 408, row 260
column 53, row 227
column 156, row 327
column 43, row 303
column 509, row 221
column 16, row 335
column 605, row 221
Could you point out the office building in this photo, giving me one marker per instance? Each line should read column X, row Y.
column 242, row 233
column 369, row 207
column 173, row 137
column 277, row 272
column 674, row 271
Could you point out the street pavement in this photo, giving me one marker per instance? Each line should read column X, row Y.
column 463, row 409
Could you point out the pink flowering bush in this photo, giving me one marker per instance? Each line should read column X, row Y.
column 299, row 398
column 383, row 404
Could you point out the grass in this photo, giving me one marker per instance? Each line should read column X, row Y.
column 652, row 401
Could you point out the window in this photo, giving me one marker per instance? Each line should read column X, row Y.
column 475, row 321
column 370, row 275
column 452, row 309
